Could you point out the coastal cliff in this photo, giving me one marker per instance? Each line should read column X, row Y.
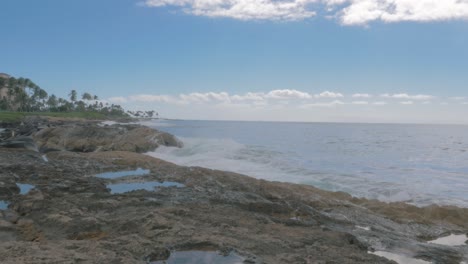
column 76, row 210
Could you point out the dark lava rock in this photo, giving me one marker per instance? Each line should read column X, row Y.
column 20, row 142
column 158, row 254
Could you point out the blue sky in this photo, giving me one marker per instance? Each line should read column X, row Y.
column 249, row 60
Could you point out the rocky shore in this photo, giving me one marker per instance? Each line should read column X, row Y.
column 59, row 203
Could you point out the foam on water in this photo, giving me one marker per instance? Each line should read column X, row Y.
column 223, row 154
column 108, row 123
column 366, row 228
column 411, row 163
column 400, row 259
column 451, row 240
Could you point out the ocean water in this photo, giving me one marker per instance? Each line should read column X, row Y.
column 418, row 164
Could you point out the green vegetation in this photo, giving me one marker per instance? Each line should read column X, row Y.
column 17, row 116
column 21, row 97
column 11, row 116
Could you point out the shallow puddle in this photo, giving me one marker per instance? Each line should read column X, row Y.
column 451, row 240
column 367, row 228
column 201, row 257
column 118, row 174
column 25, row 188
column 133, row 186
column 3, row 205
column 107, row 123
column 400, row 259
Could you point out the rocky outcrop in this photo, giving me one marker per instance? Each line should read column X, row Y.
column 72, row 216
column 55, row 134
column 89, row 137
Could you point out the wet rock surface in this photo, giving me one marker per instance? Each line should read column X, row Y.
column 70, row 216
column 92, row 137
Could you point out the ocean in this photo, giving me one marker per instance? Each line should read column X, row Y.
column 418, row 164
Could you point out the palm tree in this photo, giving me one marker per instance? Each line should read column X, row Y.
column 72, row 95
column 87, row 96
column 52, row 103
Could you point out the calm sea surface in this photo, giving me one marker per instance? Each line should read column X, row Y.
column 420, row 164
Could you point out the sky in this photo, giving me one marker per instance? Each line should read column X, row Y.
column 402, row 61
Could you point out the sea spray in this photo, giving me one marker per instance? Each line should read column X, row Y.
column 412, row 163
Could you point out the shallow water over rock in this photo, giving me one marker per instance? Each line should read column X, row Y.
column 25, row 188
column 119, row 174
column 3, row 205
column 201, row 257
column 400, row 259
column 133, row 186
column 451, row 240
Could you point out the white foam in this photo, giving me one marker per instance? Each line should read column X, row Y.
column 451, row 240
column 303, row 158
column 400, row 259
column 224, row 154
column 401, row 196
column 363, row 228
column 108, row 123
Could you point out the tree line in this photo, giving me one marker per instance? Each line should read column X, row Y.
column 24, row 95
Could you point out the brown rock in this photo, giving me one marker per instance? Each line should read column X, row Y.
column 90, row 138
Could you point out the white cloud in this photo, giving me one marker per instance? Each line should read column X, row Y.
column 288, row 94
column 422, row 97
column 328, row 94
column 242, row 9
column 249, row 97
column 360, row 103
column 407, row 102
column 279, row 96
column 361, row 95
column 380, row 103
column 457, row 98
column 322, row 104
column 205, row 97
column 117, row 100
column 285, row 98
column 360, row 12
column 348, row 12
column 150, row 98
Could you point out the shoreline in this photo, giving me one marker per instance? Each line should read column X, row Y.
column 70, row 210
